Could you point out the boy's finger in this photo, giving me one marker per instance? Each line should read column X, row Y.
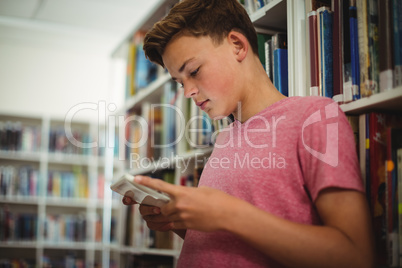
column 149, row 210
column 156, row 184
column 128, row 201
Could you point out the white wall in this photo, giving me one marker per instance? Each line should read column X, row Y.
column 50, row 81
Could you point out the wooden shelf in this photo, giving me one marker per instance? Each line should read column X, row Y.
column 277, row 18
column 389, row 100
column 151, row 93
column 20, row 156
column 21, row 200
column 19, row 244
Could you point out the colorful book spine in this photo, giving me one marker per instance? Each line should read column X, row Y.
column 17, row 226
column 326, row 28
column 372, row 25
column 313, row 44
column 281, row 70
column 268, row 58
column 354, row 50
column 397, row 31
column 399, row 179
column 262, row 39
column 22, row 181
column 67, row 185
column 337, row 47
column 386, row 45
column 280, row 62
column 394, row 142
column 346, row 57
column 364, row 60
column 381, row 184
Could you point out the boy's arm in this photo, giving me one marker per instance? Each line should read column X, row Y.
column 344, row 240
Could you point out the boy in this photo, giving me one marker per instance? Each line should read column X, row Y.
column 282, row 187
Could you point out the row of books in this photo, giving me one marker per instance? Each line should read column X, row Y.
column 67, row 184
column 380, row 153
column 17, row 226
column 19, row 181
column 69, row 261
column 273, row 53
column 15, row 136
column 60, row 143
column 17, row 263
column 140, row 71
column 150, row 132
column 65, row 228
column 99, row 229
column 354, row 47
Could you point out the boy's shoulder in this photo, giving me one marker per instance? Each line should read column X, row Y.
column 307, row 104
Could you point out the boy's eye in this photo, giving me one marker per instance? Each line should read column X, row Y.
column 194, row 73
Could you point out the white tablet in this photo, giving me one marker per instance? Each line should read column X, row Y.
column 141, row 194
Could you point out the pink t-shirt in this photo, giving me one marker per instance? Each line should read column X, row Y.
column 278, row 160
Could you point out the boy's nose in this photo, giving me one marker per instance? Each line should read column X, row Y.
column 190, row 90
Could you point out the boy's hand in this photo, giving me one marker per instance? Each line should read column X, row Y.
column 152, row 215
column 202, row 209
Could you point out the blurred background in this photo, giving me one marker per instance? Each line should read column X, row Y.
column 55, row 54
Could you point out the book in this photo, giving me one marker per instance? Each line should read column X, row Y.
column 337, row 39
column 125, row 185
column 372, row 26
column 399, row 179
column 394, row 142
column 354, row 50
column 280, row 62
column 346, row 56
column 262, row 39
column 378, row 123
column 364, row 61
column 268, row 58
column 130, row 72
column 313, row 45
column 281, row 70
column 326, row 24
column 397, row 34
column 385, row 45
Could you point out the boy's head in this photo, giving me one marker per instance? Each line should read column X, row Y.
column 213, row 18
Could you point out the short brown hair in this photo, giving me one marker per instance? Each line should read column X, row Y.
column 213, row 18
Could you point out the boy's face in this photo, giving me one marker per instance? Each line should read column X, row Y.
column 206, row 71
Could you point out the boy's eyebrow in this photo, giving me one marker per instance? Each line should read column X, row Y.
column 184, row 65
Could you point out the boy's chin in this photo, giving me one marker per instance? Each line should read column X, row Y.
column 217, row 117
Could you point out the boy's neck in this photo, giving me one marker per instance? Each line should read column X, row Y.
column 259, row 93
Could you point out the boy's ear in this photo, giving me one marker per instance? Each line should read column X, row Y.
column 239, row 44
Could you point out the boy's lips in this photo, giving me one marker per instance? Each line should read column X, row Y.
column 202, row 104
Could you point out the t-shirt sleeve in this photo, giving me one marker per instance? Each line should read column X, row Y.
column 327, row 149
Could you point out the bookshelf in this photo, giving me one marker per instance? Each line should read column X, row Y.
column 278, row 16
column 52, row 197
column 361, row 57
